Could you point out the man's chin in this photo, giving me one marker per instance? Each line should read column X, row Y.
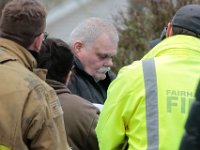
column 98, row 78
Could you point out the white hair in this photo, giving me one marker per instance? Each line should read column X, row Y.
column 90, row 29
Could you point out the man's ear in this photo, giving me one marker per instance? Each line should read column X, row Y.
column 37, row 43
column 169, row 30
column 77, row 46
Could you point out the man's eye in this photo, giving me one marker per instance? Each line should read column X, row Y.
column 103, row 57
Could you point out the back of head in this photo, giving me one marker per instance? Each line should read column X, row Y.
column 187, row 20
column 55, row 56
column 90, row 29
column 22, row 21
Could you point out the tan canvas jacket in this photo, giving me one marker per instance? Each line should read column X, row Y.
column 31, row 116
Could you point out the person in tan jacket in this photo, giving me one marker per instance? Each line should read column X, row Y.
column 30, row 112
column 80, row 116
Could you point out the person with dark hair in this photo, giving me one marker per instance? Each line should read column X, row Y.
column 191, row 138
column 94, row 43
column 148, row 103
column 80, row 116
column 31, row 116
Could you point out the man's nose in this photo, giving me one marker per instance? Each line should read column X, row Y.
column 108, row 62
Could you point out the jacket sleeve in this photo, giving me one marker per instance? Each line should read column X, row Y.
column 191, row 138
column 116, row 113
column 43, row 121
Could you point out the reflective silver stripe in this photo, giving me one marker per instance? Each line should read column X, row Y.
column 150, row 81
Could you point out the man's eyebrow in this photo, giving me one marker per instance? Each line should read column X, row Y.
column 105, row 54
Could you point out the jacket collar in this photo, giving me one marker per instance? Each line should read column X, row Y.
column 78, row 64
column 58, row 86
column 19, row 53
column 183, row 45
column 79, row 67
column 41, row 73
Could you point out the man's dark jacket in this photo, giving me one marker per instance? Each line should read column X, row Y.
column 191, row 138
column 84, row 85
column 80, row 117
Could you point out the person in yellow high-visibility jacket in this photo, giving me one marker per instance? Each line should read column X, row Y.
column 149, row 101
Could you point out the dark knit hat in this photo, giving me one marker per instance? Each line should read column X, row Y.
column 22, row 21
column 188, row 17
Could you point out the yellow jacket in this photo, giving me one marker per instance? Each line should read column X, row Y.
column 30, row 113
column 148, row 102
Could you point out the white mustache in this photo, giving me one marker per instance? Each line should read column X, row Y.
column 103, row 69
